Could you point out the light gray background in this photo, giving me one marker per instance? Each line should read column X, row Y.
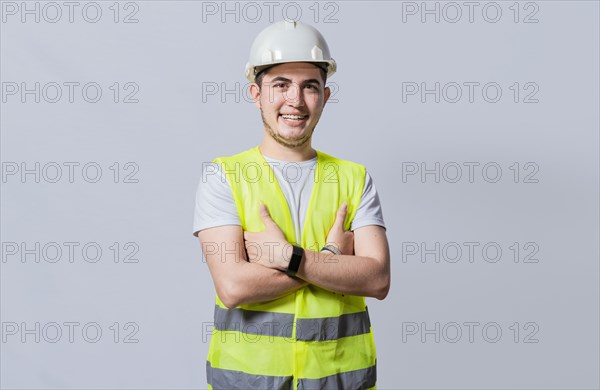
column 171, row 53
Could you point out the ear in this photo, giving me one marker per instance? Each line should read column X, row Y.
column 327, row 95
column 255, row 93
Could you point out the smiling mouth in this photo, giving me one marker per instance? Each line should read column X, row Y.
column 293, row 117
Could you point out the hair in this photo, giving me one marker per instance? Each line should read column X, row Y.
column 259, row 76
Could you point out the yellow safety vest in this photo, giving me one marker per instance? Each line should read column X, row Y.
column 311, row 338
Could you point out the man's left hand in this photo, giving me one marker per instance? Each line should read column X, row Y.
column 268, row 248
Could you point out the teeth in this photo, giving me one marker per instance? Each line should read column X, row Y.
column 294, row 116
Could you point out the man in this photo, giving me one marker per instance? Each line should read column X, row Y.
column 292, row 252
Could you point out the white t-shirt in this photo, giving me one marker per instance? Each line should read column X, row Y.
column 215, row 205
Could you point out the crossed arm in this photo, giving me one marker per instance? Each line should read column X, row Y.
column 236, row 280
column 241, row 279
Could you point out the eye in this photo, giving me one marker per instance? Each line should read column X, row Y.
column 311, row 86
column 279, row 85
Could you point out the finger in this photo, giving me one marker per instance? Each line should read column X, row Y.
column 265, row 216
column 251, row 252
column 340, row 217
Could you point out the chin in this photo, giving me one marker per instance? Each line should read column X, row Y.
column 291, row 133
column 291, row 139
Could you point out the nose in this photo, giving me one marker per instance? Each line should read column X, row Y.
column 293, row 96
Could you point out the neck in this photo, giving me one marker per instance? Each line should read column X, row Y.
column 271, row 148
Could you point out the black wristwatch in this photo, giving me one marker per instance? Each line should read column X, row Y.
column 294, row 265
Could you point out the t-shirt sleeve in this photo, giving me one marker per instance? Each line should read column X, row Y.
column 214, row 200
column 369, row 210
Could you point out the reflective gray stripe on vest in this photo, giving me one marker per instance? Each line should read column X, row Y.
column 358, row 379
column 220, row 378
column 262, row 323
column 332, row 328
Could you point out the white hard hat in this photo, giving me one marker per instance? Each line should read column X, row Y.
column 288, row 41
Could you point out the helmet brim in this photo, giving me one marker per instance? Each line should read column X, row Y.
column 325, row 66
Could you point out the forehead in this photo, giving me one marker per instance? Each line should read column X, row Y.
column 294, row 71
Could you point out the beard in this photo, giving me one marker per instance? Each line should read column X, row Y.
column 287, row 142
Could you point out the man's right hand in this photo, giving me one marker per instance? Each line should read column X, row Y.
column 343, row 240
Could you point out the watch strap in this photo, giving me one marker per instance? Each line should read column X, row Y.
column 294, row 265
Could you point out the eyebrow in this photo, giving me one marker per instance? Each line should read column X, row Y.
column 286, row 80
